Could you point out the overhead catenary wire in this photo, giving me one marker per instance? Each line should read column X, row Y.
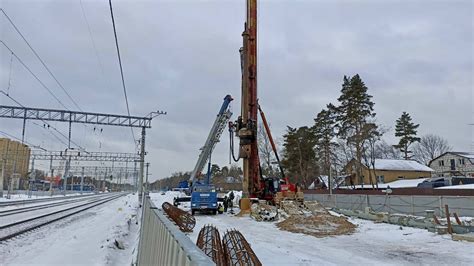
column 121, row 68
column 34, row 75
column 18, row 139
column 40, row 59
column 10, row 74
column 49, row 125
column 94, row 46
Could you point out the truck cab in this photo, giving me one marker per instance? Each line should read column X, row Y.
column 203, row 198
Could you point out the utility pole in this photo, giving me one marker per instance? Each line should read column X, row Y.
column 146, row 182
column 103, row 184
column 142, row 165
column 52, row 176
column 31, row 177
column 82, row 180
column 4, row 164
column 95, row 177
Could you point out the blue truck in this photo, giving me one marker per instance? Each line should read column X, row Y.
column 204, row 198
column 203, row 192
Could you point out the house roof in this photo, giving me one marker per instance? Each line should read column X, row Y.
column 468, row 155
column 400, row 165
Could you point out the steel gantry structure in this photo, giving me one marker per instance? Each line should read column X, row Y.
column 86, row 156
column 27, row 113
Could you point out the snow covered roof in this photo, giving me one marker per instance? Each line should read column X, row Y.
column 400, row 165
column 469, row 155
column 395, row 184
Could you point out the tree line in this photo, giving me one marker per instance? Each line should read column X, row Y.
column 349, row 130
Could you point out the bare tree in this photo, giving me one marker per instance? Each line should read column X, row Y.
column 342, row 154
column 383, row 150
column 264, row 148
column 430, row 147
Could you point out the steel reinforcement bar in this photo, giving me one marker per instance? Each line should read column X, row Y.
column 184, row 220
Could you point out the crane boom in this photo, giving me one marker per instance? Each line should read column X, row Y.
column 214, row 135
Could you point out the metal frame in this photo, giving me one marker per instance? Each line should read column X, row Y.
column 73, row 116
column 85, row 156
column 162, row 243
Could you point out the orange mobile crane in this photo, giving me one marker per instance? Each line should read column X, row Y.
column 254, row 185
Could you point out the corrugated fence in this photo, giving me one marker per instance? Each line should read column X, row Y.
column 403, row 204
column 162, row 243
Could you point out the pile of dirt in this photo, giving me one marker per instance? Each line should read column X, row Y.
column 317, row 225
column 313, row 219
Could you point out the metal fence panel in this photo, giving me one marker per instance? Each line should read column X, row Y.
column 161, row 242
column 403, row 204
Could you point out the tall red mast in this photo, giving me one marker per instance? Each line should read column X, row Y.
column 247, row 123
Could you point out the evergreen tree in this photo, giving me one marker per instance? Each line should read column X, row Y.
column 324, row 133
column 406, row 130
column 299, row 156
column 354, row 112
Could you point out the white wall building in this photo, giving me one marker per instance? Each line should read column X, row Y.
column 453, row 164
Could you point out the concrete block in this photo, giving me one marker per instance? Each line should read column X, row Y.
column 464, row 237
column 441, row 230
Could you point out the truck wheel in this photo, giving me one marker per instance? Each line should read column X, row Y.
column 214, row 212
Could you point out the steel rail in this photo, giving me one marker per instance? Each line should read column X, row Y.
column 43, row 206
column 32, row 201
column 40, row 224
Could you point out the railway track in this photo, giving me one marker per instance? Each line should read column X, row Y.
column 44, row 206
column 14, row 229
column 33, row 201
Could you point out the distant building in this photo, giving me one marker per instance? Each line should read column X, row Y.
column 453, row 164
column 386, row 170
column 14, row 161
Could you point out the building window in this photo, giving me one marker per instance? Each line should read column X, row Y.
column 441, row 163
column 380, row 179
column 462, row 162
column 401, row 177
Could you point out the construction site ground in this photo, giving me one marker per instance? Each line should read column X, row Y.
column 370, row 243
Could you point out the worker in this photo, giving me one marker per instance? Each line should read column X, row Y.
column 226, row 203
column 231, row 199
column 220, row 210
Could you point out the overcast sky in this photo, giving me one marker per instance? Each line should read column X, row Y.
column 182, row 57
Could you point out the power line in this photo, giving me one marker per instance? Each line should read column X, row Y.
column 10, row 74
column 120, row 64
column 93, row 41
column 33, row 74
column 41, row 60
column 49, row 125
column 30, row 144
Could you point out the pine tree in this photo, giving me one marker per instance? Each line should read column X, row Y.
column 406, row 130
column 354, row 112
column 299, row 156
column 324, row 133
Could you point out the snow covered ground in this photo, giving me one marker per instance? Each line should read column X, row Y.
column 468, row 186
column 83, row 239
column 372, row 244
